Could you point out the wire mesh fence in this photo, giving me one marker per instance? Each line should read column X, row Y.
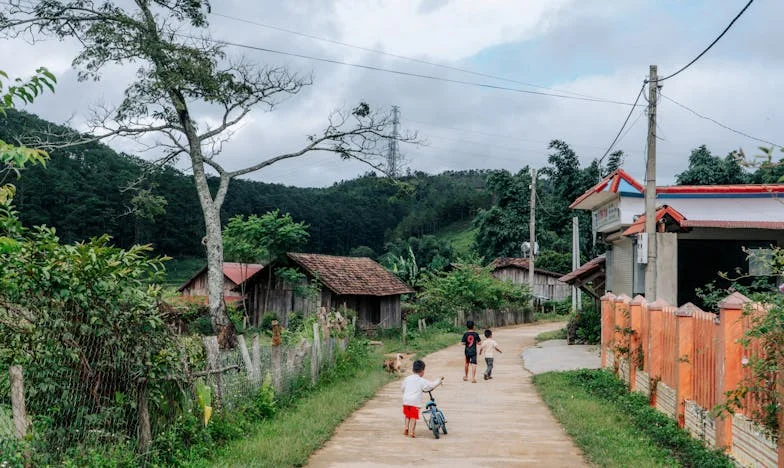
column 94, row 405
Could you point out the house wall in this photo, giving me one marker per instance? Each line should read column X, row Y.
column 544, row 285
column 372, row 311
column 198, row 287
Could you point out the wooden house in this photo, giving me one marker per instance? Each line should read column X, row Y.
column 234, row 274
column 546, row 283
column 356, row 283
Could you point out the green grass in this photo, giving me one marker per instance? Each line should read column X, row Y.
column 180, row 270
column 550, row 317
column 294, row 433
column 616, row 428
column 421, row 345
column 461, row 235
column 559, row 334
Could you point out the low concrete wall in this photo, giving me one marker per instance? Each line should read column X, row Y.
column 624, row 370
column 750, row 446
column 643, row 384
column 665, row 400
column 700, row 424
column 610, row 364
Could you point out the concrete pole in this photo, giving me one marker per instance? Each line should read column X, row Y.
column 532, row 229
column 650, row 188
column 576, row 302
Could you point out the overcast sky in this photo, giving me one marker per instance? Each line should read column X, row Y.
column 590, row 47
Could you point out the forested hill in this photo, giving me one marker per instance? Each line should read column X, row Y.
column 90, row 189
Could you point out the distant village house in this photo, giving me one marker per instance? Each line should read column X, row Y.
column 234, row 274
column 547, row 285
column 359, row 284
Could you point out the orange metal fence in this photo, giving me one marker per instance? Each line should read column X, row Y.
column 704, row 358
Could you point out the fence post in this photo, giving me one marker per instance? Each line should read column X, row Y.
column 620, row 340
column 315, row 355
column 249, row 369
column 143, row 415
column 635, row 358
column 608, row 310
column 255, row 350
column 18, row 409
column 684, row 322
column 213, row 364
column 656, row 311
column 780, row 438
column 729, row 356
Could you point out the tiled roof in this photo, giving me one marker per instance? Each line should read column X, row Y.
column 584, row 270
column 236, row 272
column 522, row 263
column 358, row 276
column 639, row 225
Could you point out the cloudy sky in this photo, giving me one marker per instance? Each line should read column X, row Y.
column 589, row 47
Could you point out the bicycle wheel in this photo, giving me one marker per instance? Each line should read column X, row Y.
column 442, row 419
column 435, row 423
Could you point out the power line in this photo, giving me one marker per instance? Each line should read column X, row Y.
column 628, row 116
column 399, row 72
column 398, row 56
column 711, row 44
column 727, row 127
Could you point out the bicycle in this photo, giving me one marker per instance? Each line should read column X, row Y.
column 434, row 417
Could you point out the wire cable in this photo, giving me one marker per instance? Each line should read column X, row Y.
column 711, row 44
column 727, row 127
column 628, row 116
column 398, row 56
column 402, row 73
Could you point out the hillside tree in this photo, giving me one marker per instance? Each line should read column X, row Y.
column 180, row 72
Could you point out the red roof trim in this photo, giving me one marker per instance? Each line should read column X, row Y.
column 702, row 223
column 615, row 179
column 745, row 188
column 639, row 225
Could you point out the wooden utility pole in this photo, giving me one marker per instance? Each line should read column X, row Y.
column 532, row 229
column 650, row 188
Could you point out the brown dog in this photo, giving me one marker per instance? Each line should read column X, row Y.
column 394, row 366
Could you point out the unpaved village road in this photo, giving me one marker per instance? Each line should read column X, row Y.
column 496, row 423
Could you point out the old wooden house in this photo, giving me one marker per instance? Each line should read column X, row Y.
column 546, row 283
column 358, row 284
column 234, row 274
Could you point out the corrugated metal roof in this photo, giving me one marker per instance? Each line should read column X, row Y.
column 585, row 270
column 721, row 189
column 358, row 276
column 522, row 263
column 613, row 181
column 703, row 223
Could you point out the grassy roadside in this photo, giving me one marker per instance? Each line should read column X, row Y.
column 559, row 334
column 616, row 428
column 296, row 431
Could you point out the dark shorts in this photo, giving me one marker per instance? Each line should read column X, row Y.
column 470, row 358
column 411, row 412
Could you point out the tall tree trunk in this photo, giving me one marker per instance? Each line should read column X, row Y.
column 214, row 243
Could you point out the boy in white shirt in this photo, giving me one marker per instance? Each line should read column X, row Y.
column 413, row 387
column 489, row 346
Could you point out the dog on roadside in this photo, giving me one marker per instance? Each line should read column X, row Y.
column 393, row 366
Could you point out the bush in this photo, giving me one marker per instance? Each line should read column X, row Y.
column 585, row 327
column 563, row 307
column 266, row 321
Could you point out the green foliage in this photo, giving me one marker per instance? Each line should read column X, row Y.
column 558, row 262
column 262, row 238
column 706, row 169
column 562, row 307
column 618, row 428
column 468, row 287
column 362, row 251
column 417, row 254
column 585, row 327
column 84, row 322
column 559, row 334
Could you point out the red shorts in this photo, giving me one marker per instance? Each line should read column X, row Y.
column 411, row 412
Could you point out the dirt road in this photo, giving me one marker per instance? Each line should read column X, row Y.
column 499, row 422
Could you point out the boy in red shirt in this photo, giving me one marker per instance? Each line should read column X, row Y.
column 470, row 339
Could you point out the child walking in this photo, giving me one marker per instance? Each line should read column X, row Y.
column 488, row 348
column 470, row 339
column 413, row 388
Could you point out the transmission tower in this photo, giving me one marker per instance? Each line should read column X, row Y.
column 393, row 157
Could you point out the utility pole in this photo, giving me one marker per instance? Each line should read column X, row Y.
column 576, row 302
column 393, row 156
column 650, row 188
column 532, row 229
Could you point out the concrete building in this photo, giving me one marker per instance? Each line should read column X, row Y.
column 701, row 231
